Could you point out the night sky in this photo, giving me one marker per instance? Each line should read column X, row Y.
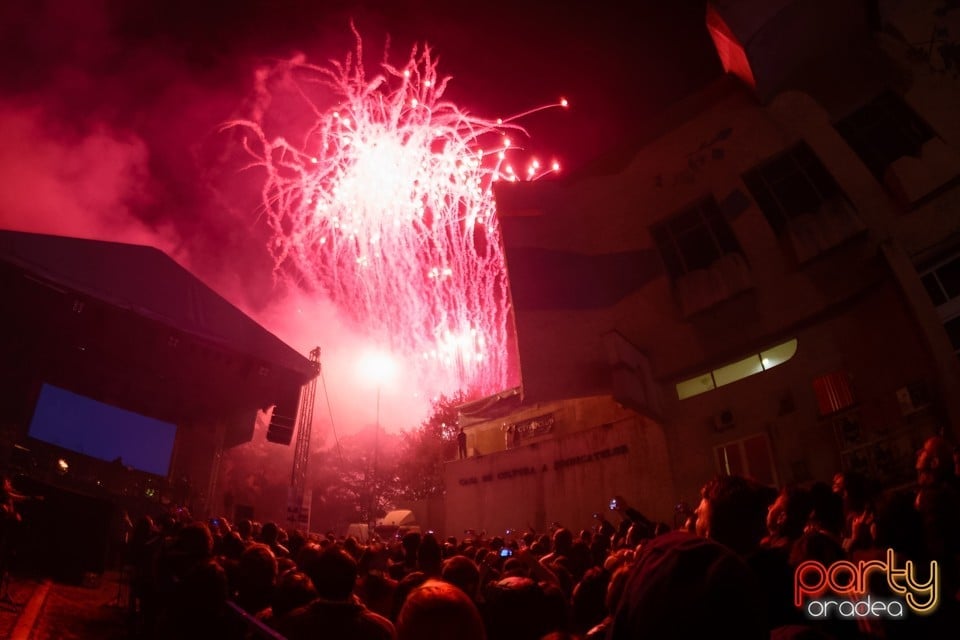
column 109, row 109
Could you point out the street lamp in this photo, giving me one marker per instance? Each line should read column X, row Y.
column 377, row 367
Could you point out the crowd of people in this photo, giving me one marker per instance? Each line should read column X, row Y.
column 730, row 569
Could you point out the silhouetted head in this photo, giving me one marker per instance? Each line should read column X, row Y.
column 437, row 610
column 257, row 567
column 934, row 461
column 430, row 555
column 332, row 570
column 294, row 589
column 787, row 515
column 733, row 511
column 194, row 541
column 683, row 585
column 562, row 541
column 462, row 572
column 269, row 533
column 516, row 609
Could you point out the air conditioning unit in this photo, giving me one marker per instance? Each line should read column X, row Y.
column 913, row 398
column 723, row 420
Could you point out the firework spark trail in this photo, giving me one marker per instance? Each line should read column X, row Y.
column 387, row 208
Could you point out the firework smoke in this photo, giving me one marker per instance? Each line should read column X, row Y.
column 385, row 207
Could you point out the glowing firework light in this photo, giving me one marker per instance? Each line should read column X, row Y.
column 386, row 207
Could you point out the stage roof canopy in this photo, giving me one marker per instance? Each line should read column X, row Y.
column 127, row 324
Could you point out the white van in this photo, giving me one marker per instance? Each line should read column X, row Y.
column 397, row 524
column 360, row 531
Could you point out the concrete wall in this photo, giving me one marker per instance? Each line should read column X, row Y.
column 564, row 478
column 857, row 307
column 875, row 341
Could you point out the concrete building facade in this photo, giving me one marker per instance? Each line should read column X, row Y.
column 767, row 284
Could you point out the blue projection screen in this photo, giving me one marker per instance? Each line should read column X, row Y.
column 102, row 431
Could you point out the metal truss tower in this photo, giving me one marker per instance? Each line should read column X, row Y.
column 301, row 453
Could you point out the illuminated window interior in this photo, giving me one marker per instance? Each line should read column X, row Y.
column 738, row 370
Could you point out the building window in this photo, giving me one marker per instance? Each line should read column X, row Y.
column 802, row 202
column 883, row 455
column 702, row 256
column 694, row 238
column 750, row 457
column 743, row 368
column 790, row 185
column 884, row 130
column 942, row 283
column 953, row 332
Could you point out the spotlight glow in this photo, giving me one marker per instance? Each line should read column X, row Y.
column 377, row 367
column 386, row 207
